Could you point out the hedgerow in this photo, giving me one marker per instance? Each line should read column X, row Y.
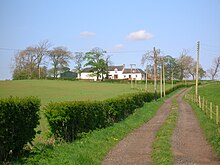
column 68, row 119
column 18, row 119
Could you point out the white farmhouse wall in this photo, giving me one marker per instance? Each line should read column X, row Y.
column 88, row 76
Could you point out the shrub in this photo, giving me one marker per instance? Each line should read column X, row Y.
column 68, row 119
column 18, row 118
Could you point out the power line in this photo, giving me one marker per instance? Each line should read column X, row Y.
column 10, row 49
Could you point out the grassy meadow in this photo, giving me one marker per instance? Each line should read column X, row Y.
column 52, row 90
column 211, row 92
column 59, row 90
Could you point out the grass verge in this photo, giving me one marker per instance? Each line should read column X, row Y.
column 94, row 146
column 162, row 153
column 210, row 128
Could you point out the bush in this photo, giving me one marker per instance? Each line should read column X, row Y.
column 18, row 119
column 68, row 119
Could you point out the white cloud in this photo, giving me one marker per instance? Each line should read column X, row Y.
column 119, row 46
column 87, row 34
column 139, row 35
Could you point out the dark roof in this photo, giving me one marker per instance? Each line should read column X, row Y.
column 128, row 71
column 112, row 68
column 68, row 74
column 87, row 69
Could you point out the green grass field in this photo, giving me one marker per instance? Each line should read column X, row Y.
column 58, row 90
column 211, row 92
column 52, row 90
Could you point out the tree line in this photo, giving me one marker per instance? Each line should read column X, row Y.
column 33, row 62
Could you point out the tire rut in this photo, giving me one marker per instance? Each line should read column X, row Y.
column 189, row 145
column 137, row 146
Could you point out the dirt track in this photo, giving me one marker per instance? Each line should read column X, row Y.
column 189, row 144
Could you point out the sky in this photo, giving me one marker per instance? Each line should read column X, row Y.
column 125, row 29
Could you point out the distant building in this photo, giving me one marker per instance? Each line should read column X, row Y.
column 116, row 73
column 68, row 74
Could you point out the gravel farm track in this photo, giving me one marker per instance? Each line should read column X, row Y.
column 189, row 146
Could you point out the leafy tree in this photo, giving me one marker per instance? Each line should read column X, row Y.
column 60, row 57
column 95, row 59
column 202, row 73
column 171, row 67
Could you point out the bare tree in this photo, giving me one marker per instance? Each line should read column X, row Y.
column 60, row 57
column 25, row 63
column 78, row 59
column 213, row 71
column 41, row 51
column 184, row 64
column 192, row 69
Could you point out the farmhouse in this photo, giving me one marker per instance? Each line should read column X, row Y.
column 116, row 73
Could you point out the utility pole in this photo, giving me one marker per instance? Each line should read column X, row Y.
column 146, row 78
column 161, row 85
column 197, row 70
column 155, row 74
column 131, row 75
column 164, row 81
column 135, row 80
column 172, row 79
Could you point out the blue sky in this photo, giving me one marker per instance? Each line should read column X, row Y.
column 126, row 29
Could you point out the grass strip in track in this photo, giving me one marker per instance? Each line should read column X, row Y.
column 210, row 128
column 162, row 153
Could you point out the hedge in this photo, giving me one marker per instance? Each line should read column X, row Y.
column 18, row 119
column 68, row 119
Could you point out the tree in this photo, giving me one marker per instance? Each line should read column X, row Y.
column 171, row 66
column 78, row 59
column 184, row 64
column 213, row 71
column 25, row 64
column 60, row 57
column 202, row 73
column 95, row 58
column 41, row 50
column 28, row 61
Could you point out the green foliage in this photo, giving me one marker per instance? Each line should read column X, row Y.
column 95, row 59
column 18, row 119
column 93, row 147
column 68, row 119
column 162, row 153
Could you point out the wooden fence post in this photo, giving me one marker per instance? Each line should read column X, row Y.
column 206, row 107
column 200, row 102
column 203, row 102
column 211, row 110
column 217, row 118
